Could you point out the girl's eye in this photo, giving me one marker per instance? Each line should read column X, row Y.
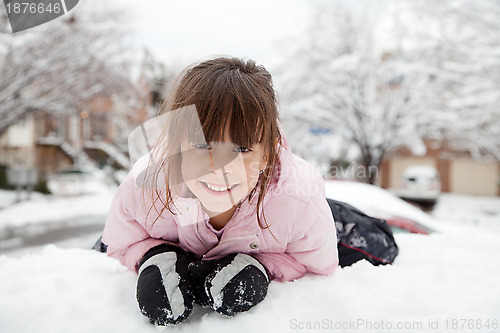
column 242, row 149
column 236, row 149
column 202, row 146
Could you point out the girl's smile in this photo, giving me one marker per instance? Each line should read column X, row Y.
column 218, row 188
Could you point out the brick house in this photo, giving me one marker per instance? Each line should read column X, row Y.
column 460, row 172
column 49, row 142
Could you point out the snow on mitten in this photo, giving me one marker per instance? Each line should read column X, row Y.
column 164, row 291
column 235, row 284
column 198, row 272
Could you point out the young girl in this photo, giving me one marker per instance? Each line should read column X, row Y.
column 221, row 206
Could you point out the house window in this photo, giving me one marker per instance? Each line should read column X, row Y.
column 99, row 126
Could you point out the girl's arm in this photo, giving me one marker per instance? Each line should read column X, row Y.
column 313, row 249
column 126, row 238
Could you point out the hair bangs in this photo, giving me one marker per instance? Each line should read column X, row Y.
column 246, row 125
column 225, row 110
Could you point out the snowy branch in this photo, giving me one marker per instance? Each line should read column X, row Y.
column 58, row 66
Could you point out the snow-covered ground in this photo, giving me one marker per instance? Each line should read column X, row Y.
column 42, row 208
column 447, row 281
column 49, row 214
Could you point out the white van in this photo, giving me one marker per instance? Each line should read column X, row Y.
column 420, row 184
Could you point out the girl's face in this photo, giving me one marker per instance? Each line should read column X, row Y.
column 221, row 174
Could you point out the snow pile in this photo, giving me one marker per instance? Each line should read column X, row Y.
column 63, row 290
column 441, row 277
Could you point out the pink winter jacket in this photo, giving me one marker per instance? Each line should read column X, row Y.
column 295, row 208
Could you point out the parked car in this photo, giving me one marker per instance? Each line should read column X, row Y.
column 77, row 181
column 377, row 202
column 405, row 225
column 420, row 184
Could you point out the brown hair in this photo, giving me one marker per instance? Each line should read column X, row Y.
column 227, row 93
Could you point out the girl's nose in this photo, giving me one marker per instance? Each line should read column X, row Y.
column 219, row 168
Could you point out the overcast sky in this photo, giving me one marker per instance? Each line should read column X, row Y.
column 184, row 31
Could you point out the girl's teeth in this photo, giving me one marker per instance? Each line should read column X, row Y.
column 218, row 188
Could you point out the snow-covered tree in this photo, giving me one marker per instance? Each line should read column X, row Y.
column 462, row 52
column 408, row 70
column 58, row 66
column 344, row 80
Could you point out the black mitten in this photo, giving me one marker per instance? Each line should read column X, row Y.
column 164, row 291
column 232, row 284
